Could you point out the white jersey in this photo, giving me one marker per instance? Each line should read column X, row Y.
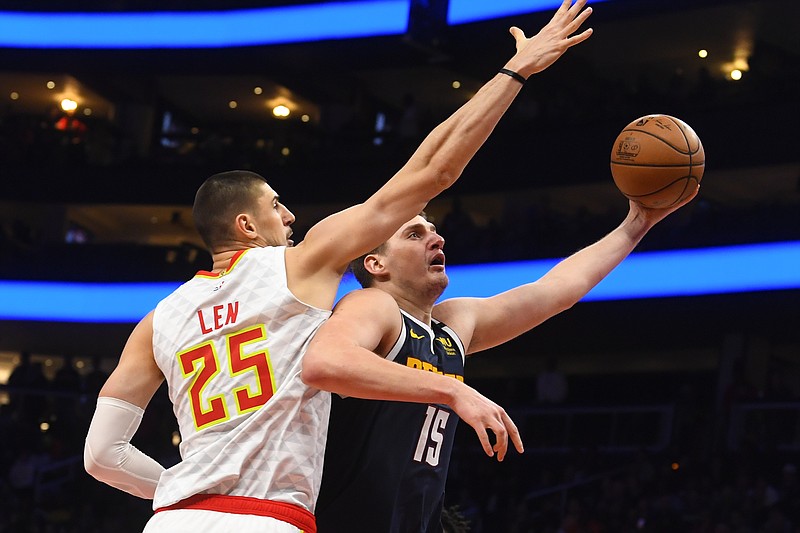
column 230, row 346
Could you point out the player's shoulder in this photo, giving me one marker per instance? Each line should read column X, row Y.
column 449, row 310
column 458, row 314
column 261, row 253
column 370, row 310
column 374, row 298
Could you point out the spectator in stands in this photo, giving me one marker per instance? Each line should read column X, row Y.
column 27, row 382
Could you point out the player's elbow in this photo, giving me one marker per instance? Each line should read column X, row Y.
column 89, row 464
column 317, row 371
column 562, row 300
column 566, row 291
column 444, row 173
column 95, row 461
column 327, row 369
column 567, row 300
column 570, row 297
column 111, row 466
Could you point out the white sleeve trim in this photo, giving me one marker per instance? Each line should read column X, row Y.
column 108, row 454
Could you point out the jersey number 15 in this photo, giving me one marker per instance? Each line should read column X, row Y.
column 431, row 438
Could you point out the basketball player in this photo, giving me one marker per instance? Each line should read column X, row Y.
column 386, row 461
column 229, row 342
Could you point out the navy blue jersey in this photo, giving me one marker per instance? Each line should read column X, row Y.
column 386, row 462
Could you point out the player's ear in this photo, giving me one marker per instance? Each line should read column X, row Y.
column 245, row 225
column 373, row 264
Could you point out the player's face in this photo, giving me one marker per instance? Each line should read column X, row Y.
column 415, row 259
column 273, row 219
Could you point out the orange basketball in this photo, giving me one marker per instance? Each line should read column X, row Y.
column 657, row 161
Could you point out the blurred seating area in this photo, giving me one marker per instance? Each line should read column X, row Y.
column 556, row 133
column 711, row 475
column 517, row 232
column 554, row 136
column 619, row 453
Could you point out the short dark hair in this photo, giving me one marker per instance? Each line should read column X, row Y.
column 219, row 198
column 364, row 278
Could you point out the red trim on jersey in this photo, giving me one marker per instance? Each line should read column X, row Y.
column 235, row 259
column 285, row 512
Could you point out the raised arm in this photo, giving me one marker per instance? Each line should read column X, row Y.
column 442, row 156
column 486, row 322
column 342, row 359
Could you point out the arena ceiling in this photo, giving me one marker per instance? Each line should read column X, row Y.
column 634, row 40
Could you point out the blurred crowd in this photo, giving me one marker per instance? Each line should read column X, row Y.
column 365, row 135
column 695, row 483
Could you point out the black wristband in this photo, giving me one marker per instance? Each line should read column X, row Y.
column 517, row 76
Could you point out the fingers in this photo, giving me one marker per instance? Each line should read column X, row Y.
column 501, row 439
column 582, row 14
column 484, row 438
column 502, row 427
column 654, row 215
column 573, row 19
column 576, row 23
column 569, row 13
column 501, row 442
column 565, row 8
column 497, row 427
column 573, row 26
column 573, row 16
column 513, row 432
column 486, row 416
column 575, row 39
column 503, row 432
column 575, row 8
column 517, row 33
column 519, row 37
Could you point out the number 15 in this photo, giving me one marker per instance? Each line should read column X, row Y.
column 431, row 437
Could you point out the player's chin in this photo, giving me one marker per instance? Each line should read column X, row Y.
column 440, row 279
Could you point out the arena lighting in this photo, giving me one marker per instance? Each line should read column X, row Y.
column 204, row 29
column 54, row 301
column 696, row 272
column 691, row 272
column 464, row 11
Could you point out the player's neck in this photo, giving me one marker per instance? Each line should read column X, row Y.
column 222, row 256
column 222, row 260
column 421, row 312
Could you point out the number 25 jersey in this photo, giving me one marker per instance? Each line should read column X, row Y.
column 231, row 346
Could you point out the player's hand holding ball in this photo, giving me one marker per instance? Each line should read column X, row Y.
column 657, row 161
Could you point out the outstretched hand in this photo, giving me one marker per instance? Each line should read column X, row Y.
column 654, row 215
column 534, row 54
column 484, row 415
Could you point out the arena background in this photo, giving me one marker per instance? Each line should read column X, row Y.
column 682, row 413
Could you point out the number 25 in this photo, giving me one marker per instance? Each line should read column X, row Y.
column 202, row 362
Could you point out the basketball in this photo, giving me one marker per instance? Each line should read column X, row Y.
column 657, row 161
